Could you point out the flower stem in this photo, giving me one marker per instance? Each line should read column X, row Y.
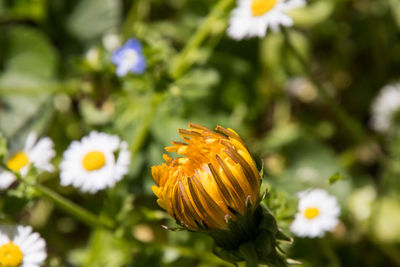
column 137, row 12
column 64, row 204
column 348, row 122
column 182, row 61
column 73, row 209
column 248, row 253
column 141, row 134
column 70, row 87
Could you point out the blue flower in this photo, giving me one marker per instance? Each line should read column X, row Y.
column 129, row 58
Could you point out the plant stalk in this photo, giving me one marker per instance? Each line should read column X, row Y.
column 79, row 213
column 182, row 61
column 141, row 134
column 64, row 204
column 138, row 11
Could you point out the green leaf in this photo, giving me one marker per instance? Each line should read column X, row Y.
column 30, row 63
column 198, row 83
column 312, row 14
column 23, row 9
column 165, row 128
column 277, row 57
column 335, row 177
column 278, row 137
column 29, row 53
column 92, row 18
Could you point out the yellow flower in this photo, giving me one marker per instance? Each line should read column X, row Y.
column 213, row 181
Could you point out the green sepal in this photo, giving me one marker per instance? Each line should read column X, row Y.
column 173, row 229
column 262, row 246
column 248, row 252
column 227, row 255
column 252, row 237
column 261, row 172
column 282, row 237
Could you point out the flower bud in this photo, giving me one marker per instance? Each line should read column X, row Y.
column 213, row 187
column 210, row 182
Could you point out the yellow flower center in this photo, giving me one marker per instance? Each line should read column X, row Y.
column 94, row 160
column 10, row 255
column 311, row 213
column 260, row 7
column 17, row 161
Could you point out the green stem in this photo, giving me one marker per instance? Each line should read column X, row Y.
column 141, row 134
column 249, row 254
column 182, row 61
column 68, row 87
column 138, row 11
column 348, row 122
column 73, row 209
column 64, row 204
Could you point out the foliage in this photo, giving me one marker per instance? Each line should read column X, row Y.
column 57, row 79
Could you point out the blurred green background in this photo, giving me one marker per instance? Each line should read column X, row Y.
column 56, row 77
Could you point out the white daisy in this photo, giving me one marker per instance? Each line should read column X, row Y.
column 253, row 17
column 96, row 162
column 385, row 107
column 317, row 213
column 38, row 154
column 20, row 247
